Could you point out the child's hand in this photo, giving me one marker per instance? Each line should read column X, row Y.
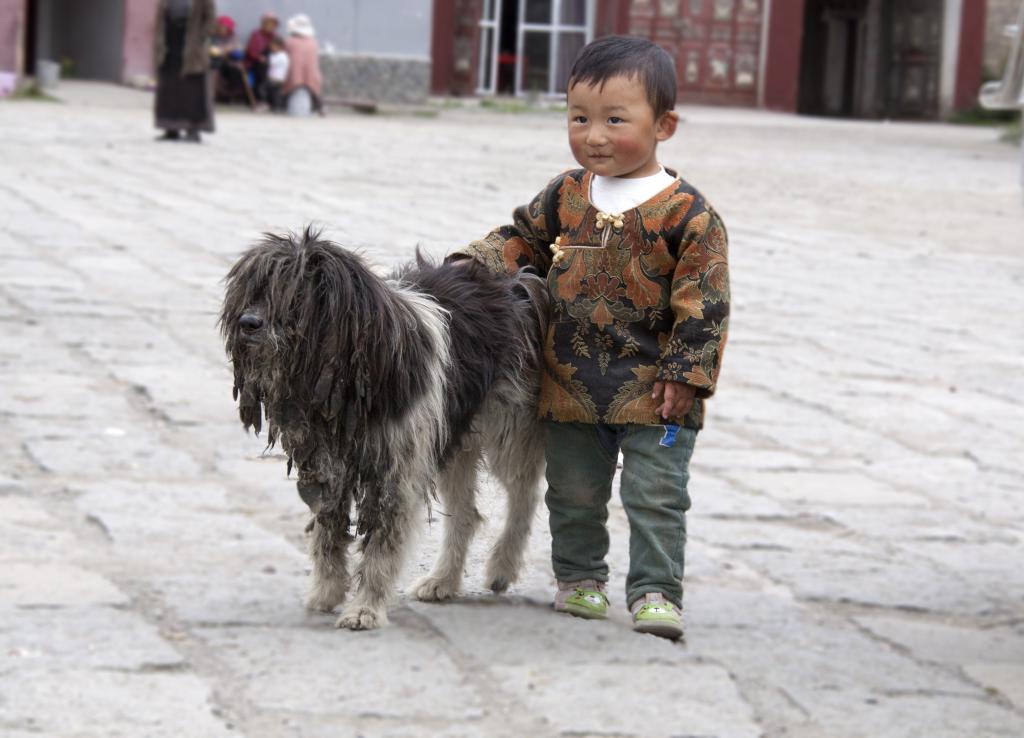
column 676, row 398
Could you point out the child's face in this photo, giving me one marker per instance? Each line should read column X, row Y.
column 612, row 128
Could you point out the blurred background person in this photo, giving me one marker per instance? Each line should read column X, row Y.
column 277, row 73
column 223, row 41
column 181, row 57
column 226, row 59
column 257, row 52
column 303, row 82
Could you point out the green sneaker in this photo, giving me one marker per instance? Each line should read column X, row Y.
column 585, row 599
column 655, row 615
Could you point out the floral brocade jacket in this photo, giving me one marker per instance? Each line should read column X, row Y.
column 637, row 297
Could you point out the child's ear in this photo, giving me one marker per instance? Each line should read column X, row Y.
column 666, row 127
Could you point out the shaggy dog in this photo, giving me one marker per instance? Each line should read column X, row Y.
column 378, row 390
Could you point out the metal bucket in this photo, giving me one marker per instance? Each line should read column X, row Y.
column 47, row 74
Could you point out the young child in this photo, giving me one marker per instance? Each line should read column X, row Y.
column 277, row 72
column 636, row 262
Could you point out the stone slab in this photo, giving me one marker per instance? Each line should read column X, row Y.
column 86, row 637
column 392, row 673
column 149, row 523
column 89, row 451
column 1007, row 679
column 55, row 585
column 821, row 489
column 684, row 699
column 28, row 532
column 993, row 657
column 80, row 703
column 949, row 643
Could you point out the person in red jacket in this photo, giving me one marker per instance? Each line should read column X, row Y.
column 257, row 51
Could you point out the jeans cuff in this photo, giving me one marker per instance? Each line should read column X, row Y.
column 579, row 576
column 636, row 594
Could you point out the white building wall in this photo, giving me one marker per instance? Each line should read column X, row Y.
column 374, row 27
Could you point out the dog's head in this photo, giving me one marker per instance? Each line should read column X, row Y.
column 291, row 322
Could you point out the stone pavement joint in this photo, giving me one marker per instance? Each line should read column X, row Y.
column 853, row 560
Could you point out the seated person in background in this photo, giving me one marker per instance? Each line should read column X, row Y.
column 223, row 43
column 226, row 61
column 277, row 73
column 257, row 51
column 303, row 60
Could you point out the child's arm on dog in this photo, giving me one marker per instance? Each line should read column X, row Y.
column 526, row 242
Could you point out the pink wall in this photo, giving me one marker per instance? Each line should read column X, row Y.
column 12, row 18
column 139, row 20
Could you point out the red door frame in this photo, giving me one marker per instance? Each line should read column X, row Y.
column 781, row 71
column 972, row 53
column 612, row 18
column 442, row 47
column 454, row 46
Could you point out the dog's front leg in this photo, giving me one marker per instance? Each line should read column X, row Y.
column 328, row 548
column 379, row 568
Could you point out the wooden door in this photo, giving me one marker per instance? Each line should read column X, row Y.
column 915, row 58
column 716, row 45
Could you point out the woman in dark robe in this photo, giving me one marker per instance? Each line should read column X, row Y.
column 182, row 61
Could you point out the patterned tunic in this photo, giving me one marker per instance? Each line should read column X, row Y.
column 637, row 297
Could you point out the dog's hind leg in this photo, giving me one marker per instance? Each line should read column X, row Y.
column 328, row 548
column 457, row 488
column 515, row 455
column 381, row 563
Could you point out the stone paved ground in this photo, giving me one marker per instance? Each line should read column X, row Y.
column 855, row 565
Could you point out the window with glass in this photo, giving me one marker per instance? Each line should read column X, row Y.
column 528, row 46
column 487, row 70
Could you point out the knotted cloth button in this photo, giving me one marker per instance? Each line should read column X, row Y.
column 616, row 220
column 556, row 250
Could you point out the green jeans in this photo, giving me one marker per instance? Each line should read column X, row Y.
column 581, row 462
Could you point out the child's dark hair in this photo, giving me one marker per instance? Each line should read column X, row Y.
column 277, row 41
column 629, row 56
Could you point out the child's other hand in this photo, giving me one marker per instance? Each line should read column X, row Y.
column 676, row 399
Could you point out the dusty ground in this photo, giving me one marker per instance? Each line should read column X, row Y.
column 855, row 558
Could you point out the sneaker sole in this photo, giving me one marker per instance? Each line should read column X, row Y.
column 671, row 631
column 582, row 612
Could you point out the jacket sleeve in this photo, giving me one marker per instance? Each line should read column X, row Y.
column 209, row 19
column 252, row 47
column 700, row 302
column 526, row 242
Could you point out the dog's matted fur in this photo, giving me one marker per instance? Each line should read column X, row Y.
column 378, row 390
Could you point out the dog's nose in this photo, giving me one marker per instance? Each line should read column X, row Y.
column 250, row 322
